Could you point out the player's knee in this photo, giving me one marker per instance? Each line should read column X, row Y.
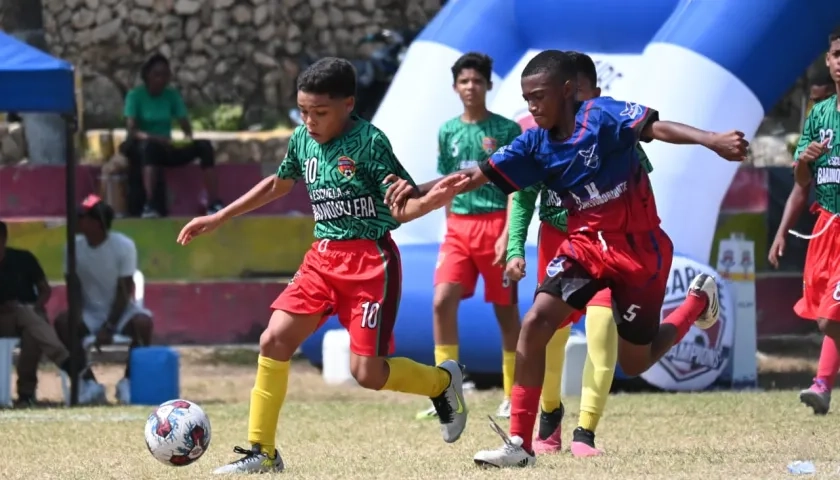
column 272, row 345
column 369, row 372
column 537, row 324
column 446, row 299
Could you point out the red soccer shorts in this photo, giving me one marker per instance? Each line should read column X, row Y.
column 360, row 281
column 635, row 266
column 821, row 279
column 468, row 251
column 548, row 244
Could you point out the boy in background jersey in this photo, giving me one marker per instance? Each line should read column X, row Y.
column 615, row 239
column 601, row 332
column 476, row 225
column 817, row 160
column 353, row 270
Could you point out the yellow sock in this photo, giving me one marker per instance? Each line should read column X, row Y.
column 599, row 369
column 555, row 355
column 445, row 352
column 266, row 401
column 508, row 365
column 408, row 376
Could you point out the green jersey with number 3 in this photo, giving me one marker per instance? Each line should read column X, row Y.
column 462, row 145
column 823, row 125
column 344, row 179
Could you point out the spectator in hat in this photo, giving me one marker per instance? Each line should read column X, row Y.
column 24, row 293
column 105, row 266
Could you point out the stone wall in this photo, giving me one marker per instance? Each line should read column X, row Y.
column 238, row 51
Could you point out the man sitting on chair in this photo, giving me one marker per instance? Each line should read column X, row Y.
column 105, row 266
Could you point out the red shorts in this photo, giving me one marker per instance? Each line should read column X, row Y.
column 468, row 250
column 635, row 267
column 360, row 281
column 821, row 279
column 548, row 244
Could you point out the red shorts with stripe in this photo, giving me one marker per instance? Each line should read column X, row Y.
column 358, row 280
column 821, row 279
column 548, row 244
column 468, row 250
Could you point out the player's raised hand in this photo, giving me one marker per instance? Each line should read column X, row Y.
column 198, row 226
column 813, row 151
column 515, row 269
column 730, row 145
column 445, row 190
column 776, row 250
column 399, row 191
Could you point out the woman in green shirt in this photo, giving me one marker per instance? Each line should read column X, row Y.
column 150, row 111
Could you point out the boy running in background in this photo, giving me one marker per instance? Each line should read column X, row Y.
column 817, row 160
column 352, row 271
column 601, row 332
column 476, row 223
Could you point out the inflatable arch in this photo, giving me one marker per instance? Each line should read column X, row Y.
column 714, row 64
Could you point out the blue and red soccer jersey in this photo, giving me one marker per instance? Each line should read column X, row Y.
column 597, row 170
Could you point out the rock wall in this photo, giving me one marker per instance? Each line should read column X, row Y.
column 238, row 51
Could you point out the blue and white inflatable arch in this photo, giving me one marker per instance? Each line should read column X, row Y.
column 714, row 64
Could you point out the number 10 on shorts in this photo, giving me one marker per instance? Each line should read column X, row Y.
column 370, row 314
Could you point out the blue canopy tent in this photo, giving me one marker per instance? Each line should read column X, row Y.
column 33, row 81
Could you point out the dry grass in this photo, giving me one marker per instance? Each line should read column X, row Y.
column 346, row 433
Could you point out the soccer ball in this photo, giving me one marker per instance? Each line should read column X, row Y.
column 178, row 432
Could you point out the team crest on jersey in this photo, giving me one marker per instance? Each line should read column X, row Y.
column 525, row 120
column 590, row 158
column 632, row 110
column 347, row 167
column 488, row 144
column 557, row 265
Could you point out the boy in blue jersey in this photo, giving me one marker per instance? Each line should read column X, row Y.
column 586, row 153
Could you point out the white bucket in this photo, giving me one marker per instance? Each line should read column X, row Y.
column 336, row 358
column 572, row 382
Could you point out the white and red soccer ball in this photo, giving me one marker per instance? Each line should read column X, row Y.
column 177, row 433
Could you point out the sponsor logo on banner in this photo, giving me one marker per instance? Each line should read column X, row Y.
column 703, row 355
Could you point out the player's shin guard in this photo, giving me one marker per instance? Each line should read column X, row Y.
column 524, row 402
column 829, row 362
column 266, row 401
column 599, row 369
column 408, row 376
column 555, row 356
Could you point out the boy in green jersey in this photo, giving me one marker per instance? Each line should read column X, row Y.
column 353, row 269
column 476, row 223
column 817, row 161
column 601, row 332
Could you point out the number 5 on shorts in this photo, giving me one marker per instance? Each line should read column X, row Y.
column 370, row 314
column 630, row 314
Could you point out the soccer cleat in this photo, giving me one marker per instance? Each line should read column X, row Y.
column 123, row 392
column 583, row 443
column 504, row 409
column 706, row 285
column 817, row 396
column 548, row 435
column 510, row 454
column 450, row 405
column 253, row 461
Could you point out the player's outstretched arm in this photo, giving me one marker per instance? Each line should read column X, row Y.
column 401, row 190
column 730, row 145
column 794, row 206
column 439, row 196
column 267, row 190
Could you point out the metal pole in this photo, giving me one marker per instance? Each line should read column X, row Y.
column 74, row 304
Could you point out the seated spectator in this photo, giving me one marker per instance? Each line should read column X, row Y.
column 150, row 110
column 24, row 293
column 105, row 266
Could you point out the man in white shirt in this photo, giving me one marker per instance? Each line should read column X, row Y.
column 105, row 265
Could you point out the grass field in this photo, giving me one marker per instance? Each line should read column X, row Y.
column 347, row 433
